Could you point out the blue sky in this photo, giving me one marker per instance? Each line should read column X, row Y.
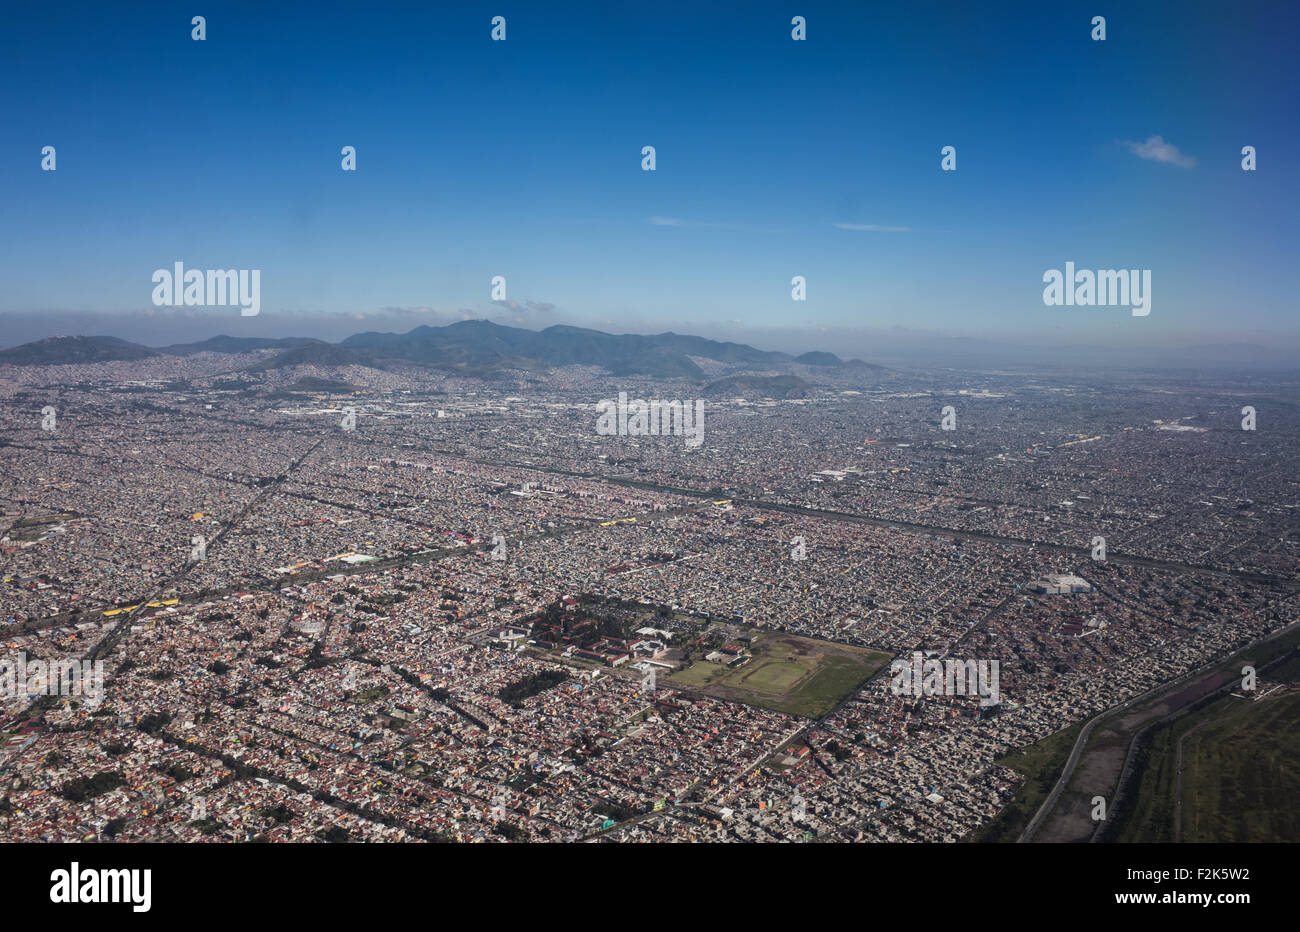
column 522, row 158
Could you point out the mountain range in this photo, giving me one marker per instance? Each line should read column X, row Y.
column 469, row 347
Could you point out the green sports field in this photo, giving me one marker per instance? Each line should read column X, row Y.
column 797, row 675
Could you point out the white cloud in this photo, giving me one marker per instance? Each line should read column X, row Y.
column 1155, row 149
column 695, row 224
column 872, row 228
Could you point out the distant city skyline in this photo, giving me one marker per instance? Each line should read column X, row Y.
column 775, row 158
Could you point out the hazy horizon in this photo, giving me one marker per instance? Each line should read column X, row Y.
column 895, row 346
